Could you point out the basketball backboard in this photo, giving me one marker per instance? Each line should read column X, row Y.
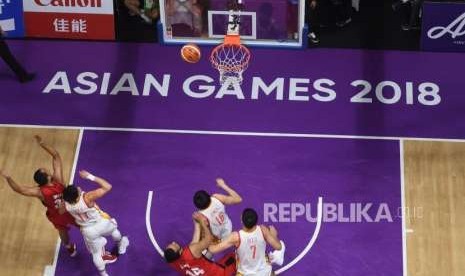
column 272, row 23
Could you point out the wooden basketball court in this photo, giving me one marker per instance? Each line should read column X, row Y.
column 434, row 175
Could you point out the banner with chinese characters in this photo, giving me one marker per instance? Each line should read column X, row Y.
column 76, row 19
column 11, row 18
column 443, row 27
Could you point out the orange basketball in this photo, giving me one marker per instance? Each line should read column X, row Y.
column 190, row 53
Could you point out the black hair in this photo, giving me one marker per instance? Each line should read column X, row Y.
column 171, row 255
column 70, row 194
column 41, row 177
column 249, row 218
column 202, row 200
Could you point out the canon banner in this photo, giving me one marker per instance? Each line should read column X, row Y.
column 343, row 92
column 11, row 18
column 443, row 27
column 76, row 19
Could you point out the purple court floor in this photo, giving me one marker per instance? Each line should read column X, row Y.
column 349, row 174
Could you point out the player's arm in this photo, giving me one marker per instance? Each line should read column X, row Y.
column 92, row 196
column 231, row 240
column 197, row 232
column 206, row 236
column 20, row 189
column 56, row 161
column 61, row 208
column 271, row 237
column 232, row 198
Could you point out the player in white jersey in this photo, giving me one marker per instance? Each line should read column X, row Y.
column 213, row 208
column 250, row 243
column 95, row 224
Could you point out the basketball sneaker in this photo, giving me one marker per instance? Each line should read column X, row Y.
column 123, row 244
column 108, row 258
column 72, row 251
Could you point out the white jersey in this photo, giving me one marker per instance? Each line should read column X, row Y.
column 220, row 224
column 84, row 215
column 251, row 254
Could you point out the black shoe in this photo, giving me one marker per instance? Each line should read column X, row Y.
column 27, row 78
column 344, row 23
column 405, row 27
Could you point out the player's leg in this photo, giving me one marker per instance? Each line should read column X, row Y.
column 64, row 236
column 123, row 241
column 61, row 224
column 110, row 227
column 100, row 256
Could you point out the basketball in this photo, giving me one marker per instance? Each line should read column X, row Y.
column 190, row 53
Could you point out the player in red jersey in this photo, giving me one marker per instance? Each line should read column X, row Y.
column 190, row 260
column 49, row 191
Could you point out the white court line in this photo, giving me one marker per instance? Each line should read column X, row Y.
column 265, row 134
column 50, row 269
column 148, row 225
column 404, row 225
column 281, row 270
column 239, row 133
column 310, row 243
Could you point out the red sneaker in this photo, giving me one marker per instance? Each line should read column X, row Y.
column 72, row 251
column 108, row 258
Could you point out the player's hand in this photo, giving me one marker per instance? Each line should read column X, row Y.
column 84, row 174
column 2, row 173
column 220, row 182
column 38, row 139
column 273, row 231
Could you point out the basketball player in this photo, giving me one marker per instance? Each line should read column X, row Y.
column 250, row 243
column 5, row 53
column 49, row 191
column 213, row 208
column 95, row 224
column 190, row 260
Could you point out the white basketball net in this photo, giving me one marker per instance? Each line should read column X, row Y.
column 231, row 60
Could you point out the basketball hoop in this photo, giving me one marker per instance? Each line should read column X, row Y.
column 231, row 58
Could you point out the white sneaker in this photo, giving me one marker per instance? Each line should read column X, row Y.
column 313, row 38
column 123, row 244
column 277, row 256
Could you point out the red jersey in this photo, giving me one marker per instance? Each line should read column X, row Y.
column 187, row 264
column 53, row 197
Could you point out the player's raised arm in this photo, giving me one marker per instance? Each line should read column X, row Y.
column 92, row 196
column 232, row 198
column 206, row 236
column 197, row 232
column 56, row 161
column 231, row 240
column 271, row 236
column 20, row 189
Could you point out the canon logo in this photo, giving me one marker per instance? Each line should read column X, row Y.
column 69, row 3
